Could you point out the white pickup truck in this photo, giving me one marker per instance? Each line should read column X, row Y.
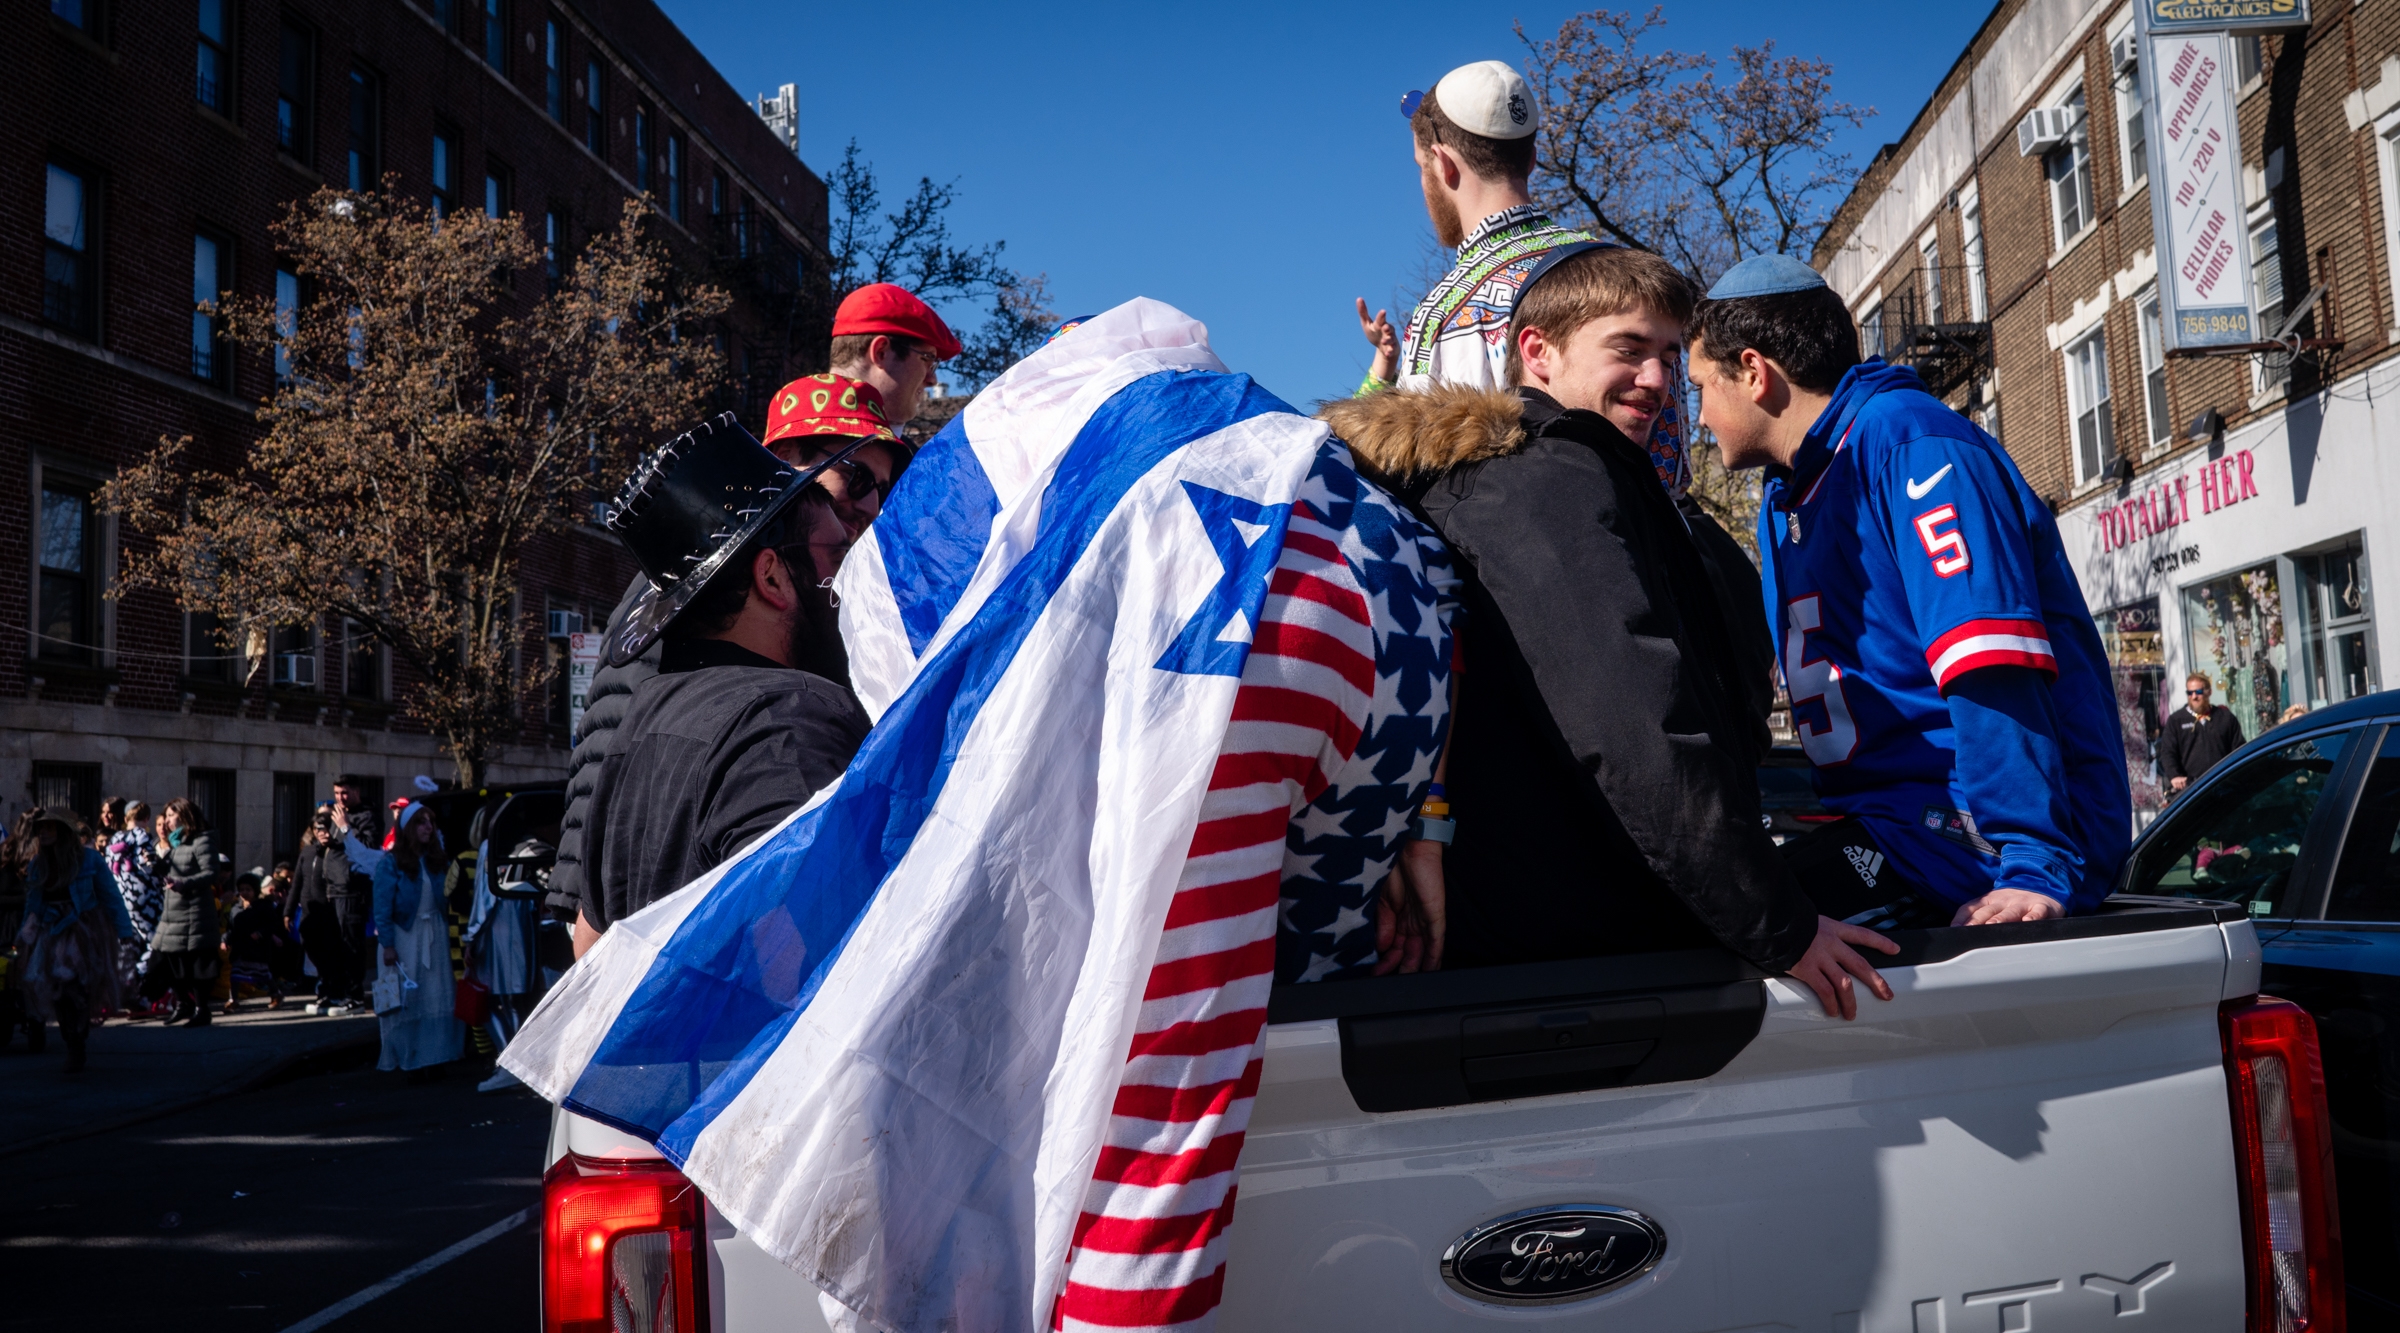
column 2075, row 1125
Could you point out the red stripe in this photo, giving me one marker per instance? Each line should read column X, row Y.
column 1226, row 1032
column 1144, row 1309
column 1182, row 976
column 1997, row 657
column 1269, row 703
column 1309, row 543
column 1257, row 766
column 1280, row 639
column 1148, row 1170
column 1148, row 1235
column 1311, row 588
column 1235, row 832
column 1148, row 1101
column 1215, row 902
column 2022, row 629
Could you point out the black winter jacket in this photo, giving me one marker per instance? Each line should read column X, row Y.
column 1603, row 767
column 604, row 708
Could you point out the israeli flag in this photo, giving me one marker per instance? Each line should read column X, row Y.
column 885, row 1039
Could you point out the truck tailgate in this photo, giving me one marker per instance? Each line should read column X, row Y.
column 2034, row 1135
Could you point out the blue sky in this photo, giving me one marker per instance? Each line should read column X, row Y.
column 1244, row 161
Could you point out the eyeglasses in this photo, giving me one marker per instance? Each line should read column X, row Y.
column 858, row 478
column 2195, row 694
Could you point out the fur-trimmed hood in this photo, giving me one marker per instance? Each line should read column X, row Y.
column 1398, row 436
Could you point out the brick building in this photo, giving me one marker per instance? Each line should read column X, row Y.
column 156, row 143
column 2019, row 274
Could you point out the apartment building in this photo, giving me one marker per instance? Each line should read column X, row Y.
column 2226, row 512
column 150, row 146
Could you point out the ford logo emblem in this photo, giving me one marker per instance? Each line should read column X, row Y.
column 1544, row 1255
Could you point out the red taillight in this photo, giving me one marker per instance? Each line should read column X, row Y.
column 620, row 1248
column 1820, row 819
column 2283, row 1140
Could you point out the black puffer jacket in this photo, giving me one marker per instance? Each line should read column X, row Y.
column 1603, row 772
column 603, row 710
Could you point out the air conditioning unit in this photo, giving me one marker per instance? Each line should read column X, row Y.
column 2043, row 129
column 564, row 623
column 2124, row 53
column 298, row 670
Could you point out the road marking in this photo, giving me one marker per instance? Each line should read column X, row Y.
column 411, row 1273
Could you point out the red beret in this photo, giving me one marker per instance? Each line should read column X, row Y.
column 881, row 307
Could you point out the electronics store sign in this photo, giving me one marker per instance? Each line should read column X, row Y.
column 2226, row 15
column 2162, row 513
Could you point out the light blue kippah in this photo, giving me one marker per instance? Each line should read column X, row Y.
column 1765, row 275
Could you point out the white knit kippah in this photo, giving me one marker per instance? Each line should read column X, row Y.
column 1488, row 98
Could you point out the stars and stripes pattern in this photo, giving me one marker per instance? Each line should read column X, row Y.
column 1149, row 1248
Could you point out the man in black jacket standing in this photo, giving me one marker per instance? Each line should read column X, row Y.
column 1602, row 772
column 750, row 714
column 2197, row 736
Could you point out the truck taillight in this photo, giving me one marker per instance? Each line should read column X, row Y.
column 2291, row 1231
column 620, row 1248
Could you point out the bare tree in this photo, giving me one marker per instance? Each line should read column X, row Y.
column 1651, row 149
column 911, row 246
column 426, row 427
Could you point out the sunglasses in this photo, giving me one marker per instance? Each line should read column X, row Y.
column 859, row 479
column 2195, row 694
column 1410, row 101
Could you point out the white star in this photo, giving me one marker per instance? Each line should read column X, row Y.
column 1347, row 920
column 1319, row 967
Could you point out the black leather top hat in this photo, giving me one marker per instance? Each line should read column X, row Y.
column 687, row 509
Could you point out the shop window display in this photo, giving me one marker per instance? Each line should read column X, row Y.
column 2137, row 662
column 2235, row 628
column 2336, row 619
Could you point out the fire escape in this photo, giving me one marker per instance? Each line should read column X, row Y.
column 1928, row 323
column 763, row 269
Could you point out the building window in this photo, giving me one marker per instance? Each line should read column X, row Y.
column 446, row 13
column 445, row 165
column 362, row 663
column 496, row 183
column 1970, row 222
column 287, row 321
column 1931, row 257
column 75, row 786
column 2087, row 407
column 2068, row 168
column 674, row 180
column 1870, row 332
column 210, row 278
column 551, row 265
column 214, row 84
column 80, row 14
column 2249, row 58
column 554, row 75
column 67, row 269
column 2154, row 371
column 292, row 661
column 495, row 34
column 2233, row 634
column 295, row 805
column 212, row 789
column 206, row 653
column 642, row 148
column 2266, row 295
column 69, row 607
column 595, row 114
column 366, row 130
column 295, row 92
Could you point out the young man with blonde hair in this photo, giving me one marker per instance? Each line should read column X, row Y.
column 1602, row 771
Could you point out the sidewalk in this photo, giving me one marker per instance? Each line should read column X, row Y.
column 142, row 1070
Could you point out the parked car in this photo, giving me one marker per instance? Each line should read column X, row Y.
column 2302, row 827
column 1787, row 793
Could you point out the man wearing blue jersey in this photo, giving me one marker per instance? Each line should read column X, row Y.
column 1945, row 676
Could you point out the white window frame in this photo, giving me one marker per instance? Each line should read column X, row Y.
column 1971, row 253
column 2125, row 91
column 2078, row 144
column 1929, row 256
column 2090, row 349
column 2149, row 325
column 2387, row 171
column 2265, row 376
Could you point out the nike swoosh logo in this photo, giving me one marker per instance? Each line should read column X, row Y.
column 1917, row 489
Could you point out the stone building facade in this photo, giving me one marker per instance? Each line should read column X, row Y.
column 154, row 145
column 2225, row 513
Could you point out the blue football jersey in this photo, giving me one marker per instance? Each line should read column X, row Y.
column 1906, row 555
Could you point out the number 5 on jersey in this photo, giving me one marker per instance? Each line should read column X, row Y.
column 1811, row 682
column 1948, row 549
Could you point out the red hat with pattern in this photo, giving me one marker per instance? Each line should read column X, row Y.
column 882, row 307
column 827, row 404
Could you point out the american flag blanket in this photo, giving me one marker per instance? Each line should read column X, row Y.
column 971, row 1040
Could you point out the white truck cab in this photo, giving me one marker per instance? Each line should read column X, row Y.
column 2072, row 1125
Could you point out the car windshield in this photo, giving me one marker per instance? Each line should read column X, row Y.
column 2239, row 836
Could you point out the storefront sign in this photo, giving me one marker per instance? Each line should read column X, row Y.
column 2196, row 186
column 2226, row 15
column 583, row 662
column 2167, row 506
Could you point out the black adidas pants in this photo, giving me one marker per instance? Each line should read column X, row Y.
column 1851, row 880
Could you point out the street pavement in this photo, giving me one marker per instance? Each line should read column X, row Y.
column 259, row 1211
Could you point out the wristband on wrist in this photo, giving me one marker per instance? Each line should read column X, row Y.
column 1370, row 385
column 1430, row 829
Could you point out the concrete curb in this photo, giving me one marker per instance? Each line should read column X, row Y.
column 230, row 1088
